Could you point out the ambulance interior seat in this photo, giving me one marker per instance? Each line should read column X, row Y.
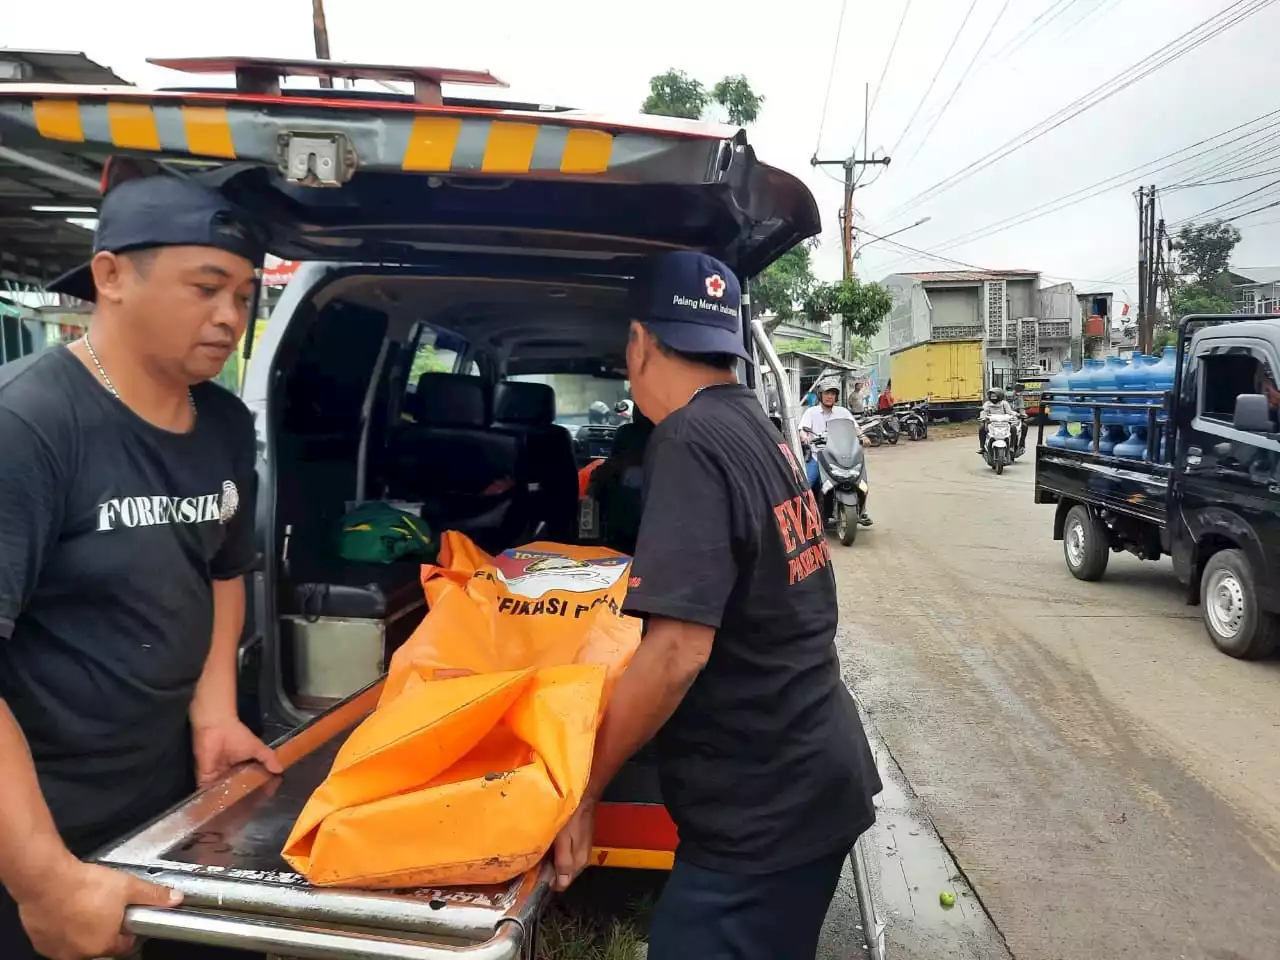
column 450, row 460
column 546, row 466
column 619, row 490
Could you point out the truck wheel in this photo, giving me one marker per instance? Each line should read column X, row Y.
column 1229, row 602
column 1084, row 544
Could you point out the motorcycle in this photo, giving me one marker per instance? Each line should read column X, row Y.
column 891, row 426
column 873, row 429
column 842, row 487
column 915, row 422
column 999, row 450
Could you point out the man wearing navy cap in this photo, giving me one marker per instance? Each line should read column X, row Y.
column 126, row 529
column 764, row 764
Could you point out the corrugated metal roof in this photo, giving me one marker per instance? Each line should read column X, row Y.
column 969, row 276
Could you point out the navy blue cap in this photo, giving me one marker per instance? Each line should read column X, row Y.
column 165, row 211
column 691, row 302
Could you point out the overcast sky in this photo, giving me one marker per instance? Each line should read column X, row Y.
column 600, row 56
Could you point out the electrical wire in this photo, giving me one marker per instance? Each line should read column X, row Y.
column 937, row 73
column 880, row 83
column 1100, row 8
column 1114, row 182
column 960, row 83
column 831, row 75
column 1055, row 9
column 1221, row 206
column 1198, row 35
column 1214, row 183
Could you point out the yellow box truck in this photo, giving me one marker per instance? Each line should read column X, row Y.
column 949, row 373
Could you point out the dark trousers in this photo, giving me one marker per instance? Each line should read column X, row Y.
column 710, row 915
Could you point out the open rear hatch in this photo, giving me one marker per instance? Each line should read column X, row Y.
column 416, row 178
column 384, row 178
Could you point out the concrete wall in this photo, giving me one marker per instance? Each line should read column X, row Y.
column 1058, row 302
column 1022, row 298
column 955, row 307
column 908, row 321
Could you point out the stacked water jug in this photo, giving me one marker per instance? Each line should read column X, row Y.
column 1124, row 433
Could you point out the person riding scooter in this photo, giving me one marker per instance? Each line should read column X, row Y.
column 814, row 424
column 996, row 403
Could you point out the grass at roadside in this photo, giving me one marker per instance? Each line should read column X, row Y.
column 604, row 916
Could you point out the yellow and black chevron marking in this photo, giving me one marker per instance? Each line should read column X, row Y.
column 407, row 142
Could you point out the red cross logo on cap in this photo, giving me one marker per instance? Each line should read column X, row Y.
column 715, row 286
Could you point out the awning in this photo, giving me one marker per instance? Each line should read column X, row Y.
column 828, row 360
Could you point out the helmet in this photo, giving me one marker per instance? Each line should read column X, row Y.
column 995, row 394
column 622, row 407
column 598, row 412
column 825, row 384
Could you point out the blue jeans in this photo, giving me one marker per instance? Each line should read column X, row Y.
column 710, row 915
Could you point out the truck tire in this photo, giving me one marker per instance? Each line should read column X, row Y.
column 1084, row 544
column 1229, row 608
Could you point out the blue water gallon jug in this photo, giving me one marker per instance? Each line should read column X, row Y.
column 1059, row 409
column 1078, row 380
column 1108, row 378
column 1161, row 372
column 1060, row 438
column 1133, row 448
column 1133, row 379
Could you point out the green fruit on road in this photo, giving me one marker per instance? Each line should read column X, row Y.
column 947, row 899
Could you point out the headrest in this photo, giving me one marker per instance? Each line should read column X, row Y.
column 450, row 400
column 632, row 437
column 524, row 403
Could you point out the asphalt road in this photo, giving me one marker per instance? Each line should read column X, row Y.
column 1107, row 782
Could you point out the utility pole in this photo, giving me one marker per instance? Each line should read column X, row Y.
column 850, row 164
column 1151, row 266
column 321, row 29
column 1142, row 269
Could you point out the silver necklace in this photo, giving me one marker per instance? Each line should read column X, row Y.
column 106, row 380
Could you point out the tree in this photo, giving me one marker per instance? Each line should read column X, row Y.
column 862, row 307
column 1204, row 251
column 742, row 103
column 783, row 287
column 676, row 94
column 1202, row 283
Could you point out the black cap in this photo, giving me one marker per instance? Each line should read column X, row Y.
column 691, row 302
column 165, row 211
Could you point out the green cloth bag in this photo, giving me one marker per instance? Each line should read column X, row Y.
column 377, row 532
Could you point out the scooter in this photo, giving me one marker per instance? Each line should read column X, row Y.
column 915, row 422
column 999, row 450
column 842, row 487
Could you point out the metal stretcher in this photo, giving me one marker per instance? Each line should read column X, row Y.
column 221, row 848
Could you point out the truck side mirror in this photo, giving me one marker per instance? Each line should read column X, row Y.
column 1253, row 414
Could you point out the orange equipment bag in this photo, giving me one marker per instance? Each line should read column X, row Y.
column 480, row 747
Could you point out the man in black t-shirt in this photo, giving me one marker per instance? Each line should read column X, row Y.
column 126, row 529
column 763, row 761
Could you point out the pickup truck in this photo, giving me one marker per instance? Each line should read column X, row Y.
column 1212, row 503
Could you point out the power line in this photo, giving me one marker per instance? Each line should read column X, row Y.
column 831, row 75
column 1184, row 44
column 884, row 70
column 1229, row 203
column 1023, row 37
column 963, row 77
column 937, row 73
column 1116, row 181
column 1100, row 8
